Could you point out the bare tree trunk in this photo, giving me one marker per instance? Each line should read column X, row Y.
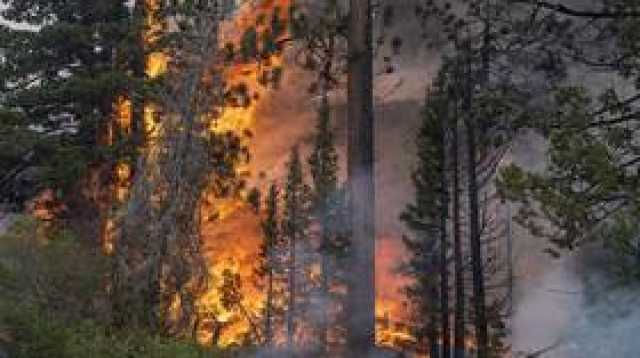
column 138, row 66
column 459, row 331
column 459, row 315
column 444, row 245
column 325, row 275
column 432, row 335
column 474, row 225
column 325, row 234
column 292, row 292
column 361, row 324
column 268, row 323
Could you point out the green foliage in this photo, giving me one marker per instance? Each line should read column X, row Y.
column 297, row 196
column 592, row 173
column 324, row 158
column 53, row 304
column 32, row 253
column 422, row 216
column 249, row 44
column 328, row 199
column 621, row 235
column 58, row 85
column 271, row 232
column 329, row 210
column 36, row 335
column 320, row 29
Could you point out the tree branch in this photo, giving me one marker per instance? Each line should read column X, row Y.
column 563, row 9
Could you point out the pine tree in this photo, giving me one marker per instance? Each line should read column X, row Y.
column 295, row 224
column 323, row 163
column 269, row 256
column 427, row 217
column 158, row 252
column 478, row 299
column 63, row 79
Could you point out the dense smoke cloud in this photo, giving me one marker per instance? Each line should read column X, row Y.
column 578, row 308
column 607, row 319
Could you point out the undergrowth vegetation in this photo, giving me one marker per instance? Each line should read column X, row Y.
column 54, row 301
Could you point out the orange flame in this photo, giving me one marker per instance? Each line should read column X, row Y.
column 232, row 240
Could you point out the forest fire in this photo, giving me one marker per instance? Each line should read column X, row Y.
column 232, row 241
column 155, row 65
column 231, row 230
column 308, row 178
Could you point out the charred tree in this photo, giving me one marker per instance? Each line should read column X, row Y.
column 458, row 259
column 360, row 161
column 443, row 136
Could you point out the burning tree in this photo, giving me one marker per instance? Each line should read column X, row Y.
column 160, row 270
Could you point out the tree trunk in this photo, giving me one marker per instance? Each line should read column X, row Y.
column 324, row 325
column 480, row 320
column 444, row 243
column 361, row 323
column 459, row 331
column 325, row 239
column 432, row 335
column 292, row 291
column 138, row 64
column 268, row 329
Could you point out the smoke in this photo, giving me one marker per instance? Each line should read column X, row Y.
column 570, row 307
column 547, row 306
column 5, row 222
column 608, row 318
column 548, row 291
column 579, row 308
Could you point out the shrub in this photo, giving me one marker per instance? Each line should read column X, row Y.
column 53, row 302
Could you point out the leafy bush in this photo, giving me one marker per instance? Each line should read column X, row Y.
column 35, row 335
column 53, row 301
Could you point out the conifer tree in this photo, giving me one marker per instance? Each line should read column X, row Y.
column 471, row 144
column 295, row 224
column 158, row 252
column 62, row 76
column 269, row 256
column 323, row 163
column 426, row 217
